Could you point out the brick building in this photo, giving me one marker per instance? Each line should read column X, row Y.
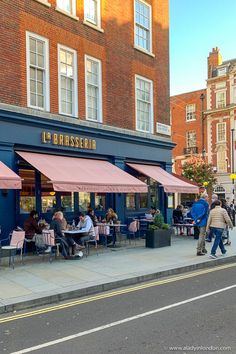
column 84, row 84
column 219, row 106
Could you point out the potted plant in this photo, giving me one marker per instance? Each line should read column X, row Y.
column 158, row 233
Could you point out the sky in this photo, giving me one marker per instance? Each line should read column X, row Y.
column 197, row 26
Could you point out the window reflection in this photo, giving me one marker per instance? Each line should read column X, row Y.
column 153, row 188
column 27, row 193
column 100, row 201
column 48, row 196
column 130, row 200
column 84, row 201
column 67, row 201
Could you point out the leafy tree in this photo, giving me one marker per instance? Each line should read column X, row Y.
column 196, row 169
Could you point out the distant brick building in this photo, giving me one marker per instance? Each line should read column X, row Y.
column 219, row 105
column 85, row 79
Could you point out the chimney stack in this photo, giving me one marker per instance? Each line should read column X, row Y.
column 214, row 59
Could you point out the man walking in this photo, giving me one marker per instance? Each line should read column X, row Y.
column 199, row 214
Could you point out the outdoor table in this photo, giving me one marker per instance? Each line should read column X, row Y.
column 104, row 229
column 188, row 227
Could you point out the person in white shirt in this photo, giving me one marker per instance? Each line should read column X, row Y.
column 86, row 225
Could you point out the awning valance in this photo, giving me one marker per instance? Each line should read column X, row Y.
column 72, row 174
column 8, row 178
column 170, row 183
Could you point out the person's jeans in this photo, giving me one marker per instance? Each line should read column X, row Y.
column 218, row 240
column 201, row 241
column 209, row 235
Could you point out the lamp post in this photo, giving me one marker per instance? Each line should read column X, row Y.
column 202, row 97
column 232, row 172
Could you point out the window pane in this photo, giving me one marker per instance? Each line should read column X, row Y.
column 67, row 201
column 130, row 200
column 84, row 201
column 100, row 201
column 27, row 193
column 143, row 200
column 48, row 196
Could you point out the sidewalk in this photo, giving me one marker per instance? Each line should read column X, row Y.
column 38, row 282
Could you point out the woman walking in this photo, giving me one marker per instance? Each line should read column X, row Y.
column 217, row 220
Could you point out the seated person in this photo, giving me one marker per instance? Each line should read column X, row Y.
column 178, row 215
column 31, row 226
column 65, row 242
column 90, row 213
column 111, row 216
column 86, row 225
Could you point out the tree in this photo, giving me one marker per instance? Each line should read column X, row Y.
column 198, row 170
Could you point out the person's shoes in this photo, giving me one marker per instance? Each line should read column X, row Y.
column 224, row 253
column 48, row 250
column 79, row 254
column 213, row 256
column 207, row 240
column 181, row 233
column 200, row 254
column 228, row 243
column 204, row 251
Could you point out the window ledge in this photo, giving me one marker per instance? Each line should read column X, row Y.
column 144, row 51
column 47, row 4
column 67, row 14
column 97, row 28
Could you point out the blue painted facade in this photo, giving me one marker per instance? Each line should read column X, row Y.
column 21, row 131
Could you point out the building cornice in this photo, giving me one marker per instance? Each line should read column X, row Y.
column 219, row 110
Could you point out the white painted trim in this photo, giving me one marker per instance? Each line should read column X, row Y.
column 91, row 23
column 151, row 122
column 44, row 2
column 100, row 111
column 75, row 78
column 137, row 46
column 71, row 15
column 47, row 73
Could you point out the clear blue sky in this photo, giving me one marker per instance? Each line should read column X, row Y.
column 195, row 28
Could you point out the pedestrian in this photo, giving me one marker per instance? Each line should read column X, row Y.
column 229, row 211
column 217, row 219
column 199, row 214
column 210, row 234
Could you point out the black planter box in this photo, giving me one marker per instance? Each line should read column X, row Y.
column 158, row 238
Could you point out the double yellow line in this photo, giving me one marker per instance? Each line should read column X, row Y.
column 114, row 293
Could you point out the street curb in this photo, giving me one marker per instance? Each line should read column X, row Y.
column 56, row 298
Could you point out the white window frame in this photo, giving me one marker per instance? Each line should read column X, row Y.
column 221, row 131
column 75, row 85
column 190, row 112
column 221, row 71
column 96, row 23
column 44, row 2
column 151, row 118
column 234, row 94
column 100, row 112
column 189, row 134
column 46, row 84
column 73, row 8
column 149, row 50
column 221, row 103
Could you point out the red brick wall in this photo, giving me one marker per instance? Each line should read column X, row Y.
column 114, row 47
column 180, row 126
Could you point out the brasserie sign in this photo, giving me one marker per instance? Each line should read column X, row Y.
column 68, row 140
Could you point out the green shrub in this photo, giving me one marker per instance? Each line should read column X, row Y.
column 158, row 223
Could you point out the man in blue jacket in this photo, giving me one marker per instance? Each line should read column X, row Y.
column 199, row 214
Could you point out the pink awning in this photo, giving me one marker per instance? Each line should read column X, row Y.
column 72, row 174
column 8, row 178
column 170, row 183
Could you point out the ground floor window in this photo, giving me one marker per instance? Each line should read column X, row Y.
column 130, row 201
column 84, row 201
column 67, row 201
column 153, row 189
column 100, row 201
column 48, row 195
column 27, row 193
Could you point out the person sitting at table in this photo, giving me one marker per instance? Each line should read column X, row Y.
column 111, row 216
column 31, row 226
column 178, row 217
column 63, row 221
column 65, row 242
column 91, row 214
column 86, row 225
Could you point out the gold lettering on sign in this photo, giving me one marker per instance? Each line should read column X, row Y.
column 68, row 140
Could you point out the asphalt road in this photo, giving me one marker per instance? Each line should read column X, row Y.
column 194, row 312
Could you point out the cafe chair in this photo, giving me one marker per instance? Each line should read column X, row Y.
column 16, row 243
column 132, row 230
column 45, row 243
column 92, row 242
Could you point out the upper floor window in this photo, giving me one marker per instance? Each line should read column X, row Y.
column 143, row 25
column 191, row 138
column 93, row 79
column 221, row 132
column 67, row 68
column 221, row 71
column 37, row 71
column 144, row 104
column 234, row 95
column 220, row 99
column 69, row 6
column 92, row 12
column 190, row 112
